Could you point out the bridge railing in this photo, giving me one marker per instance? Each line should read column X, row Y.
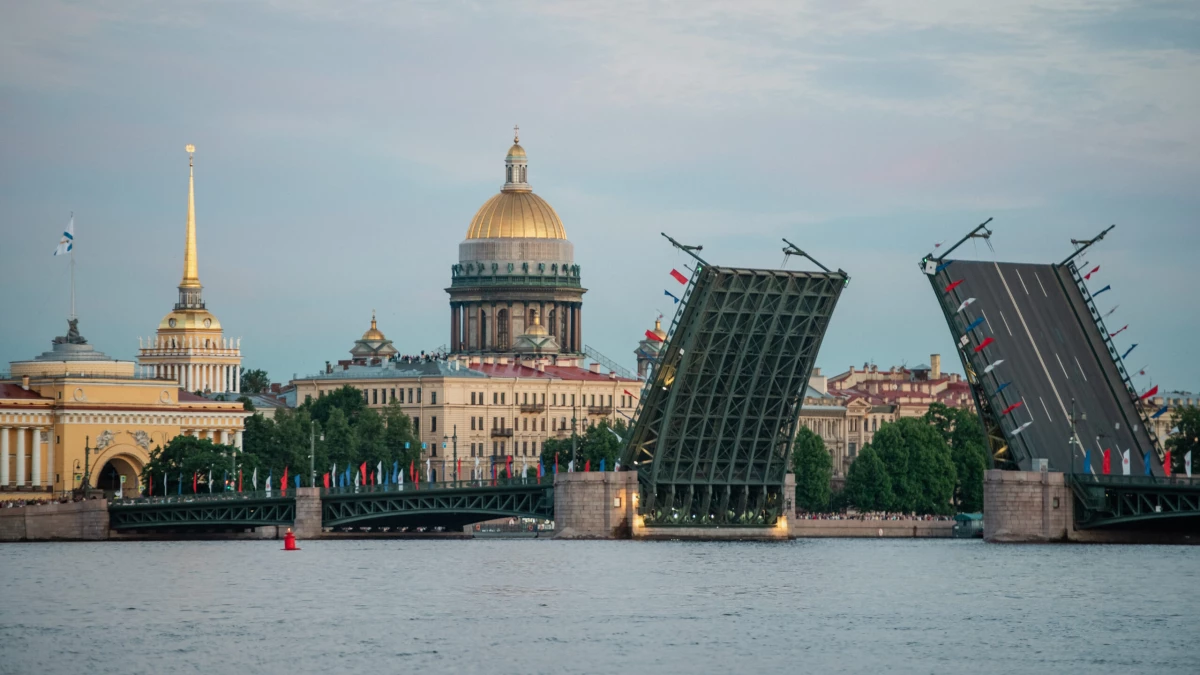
column 1111, row 480
column 426, row 486
column 200, row 497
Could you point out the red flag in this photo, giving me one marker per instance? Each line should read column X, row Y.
column 193, row 482
column 458, row 469
column 508, row 467
column 984, row 344
column 326, row 478
column 1011, row 408
column 587, row 466
column 954, row 285
column 628, row 394
column 650, row 335
column 1122, row 329
column 1107, row 466
column 1089, row 274
column 1153, row 391
column 363, row 469
column 239, row 480
column 283, row 481
column 1167, row 463
column 679, row 277
column 556, row 462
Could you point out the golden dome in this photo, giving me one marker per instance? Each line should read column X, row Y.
column 516, row 150
column 658, row 329
column 189, row 319
column 373, row 333
column 516, row 214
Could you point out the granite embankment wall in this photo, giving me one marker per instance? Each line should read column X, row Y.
column 931, row 529
column 73, row 521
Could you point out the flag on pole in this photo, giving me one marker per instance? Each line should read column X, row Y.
column 556, row 464
column 1088, row 276
column 954, row 285
column 379, row 472
column 1106, row 463
column 571, row 466
column 283, row 481
column 1150, row 392
column 601, row 465
column 1002, row 388
column 943, row 266
column 964, row 305
column 671, row 295
column 333, row 472
column 356, row 475
column 1127, row 351
column 1125, row 463
column 1021, row 428
column 541, row 468
column 1146, row 464
column 628, row 394
column 1119, row 331
column 396, row 471
column 363, row 469
column 974, row 324
column 1011, row 408
column 325, row 479
column 165, row 492
column 1167, row 463
column 269, row 481
column 1087, row 461
column 179, row 490
column 428, row 470
column 210, row 481
column 1159, row 413
column 195, row 480
column 1187, row 463
column 651, row 336
column 1110, row 312
column 587, row 466
column 984, row 344
column 371, row 477
column 297, row 480
column 254, row 479
column 68, row 238
column 678, row 277
column 458, row 469
column 617, row 465
column 1101, row 291
column 992, row 366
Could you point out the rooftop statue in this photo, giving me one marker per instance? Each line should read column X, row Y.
column 72, row 337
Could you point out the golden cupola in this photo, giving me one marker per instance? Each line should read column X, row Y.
column 516, row 213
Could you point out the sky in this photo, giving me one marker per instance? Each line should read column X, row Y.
column 343, row 147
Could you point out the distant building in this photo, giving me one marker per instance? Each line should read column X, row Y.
column 1173, row 401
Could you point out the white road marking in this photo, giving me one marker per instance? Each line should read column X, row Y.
column 1005, row 324
column 1022, row 284
column 988, row 322
column 1035, row 276
column 1060, row 365
column 1081, row 369
column 1026, row 405
column 1031, row 342
column 1046, row 409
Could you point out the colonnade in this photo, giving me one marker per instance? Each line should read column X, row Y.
column 222, row 436
column 30, row 469
column 217, row 377
column 474, row 325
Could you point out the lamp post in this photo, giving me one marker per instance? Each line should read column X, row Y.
column 1074, row 440
column 78, row 475
column 312, row 452
column 87, row 453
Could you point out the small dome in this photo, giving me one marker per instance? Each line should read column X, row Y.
column 516, row 214
column 658, row 329
column 373, row 333
column 516, row 151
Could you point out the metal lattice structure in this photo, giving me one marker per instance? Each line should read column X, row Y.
column 1102, row 501
column 712, row 439
column 250, row 510
column 445, row 504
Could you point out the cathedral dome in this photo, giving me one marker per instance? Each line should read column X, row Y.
column 516, row 213
column 373, row 333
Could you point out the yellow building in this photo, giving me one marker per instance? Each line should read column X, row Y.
column 189, row 347
column 74, row 397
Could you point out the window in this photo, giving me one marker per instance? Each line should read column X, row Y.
column 853, row 449
column 472, row 429
column 375, row 397
column 572, row 400
column 410, row 398
column 554, row 399
column 516, row 424
column 393, row 394
column 472, row 445
column 551, row 424
column 472, row 398
column 495, row 398
column 433, row 448
column 543, row 424
column 534, row 444
column 366, row 395
column 563, row 424
column 524, row 447
column 418, row 394
column 502, row 447
column 527, row 398
column 874, row 424
column 494, row 423
column 307, row 397
column 593, row 399
column 433, row 398
column 502, row 398
column 417, row 426
column 527, row 424
column 493, row 448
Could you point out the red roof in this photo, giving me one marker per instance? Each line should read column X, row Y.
column 559, row 372
column 186, row 396
column 8, row 390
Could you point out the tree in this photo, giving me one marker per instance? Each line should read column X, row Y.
column 1186, row 439
column 917, row 461
column 348, row 399
column 247, row 404
column 868, row 487
column 401, row 443
column 255, row 381
column 340, row 441
column 813, row 468
column 961, row 430
column 184, row 455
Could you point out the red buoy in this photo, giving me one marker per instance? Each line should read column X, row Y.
column 289, row 541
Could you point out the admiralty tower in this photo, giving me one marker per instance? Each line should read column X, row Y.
column 516, row 286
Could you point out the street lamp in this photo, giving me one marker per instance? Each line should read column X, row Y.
column 1074, row 440
column 312, row 452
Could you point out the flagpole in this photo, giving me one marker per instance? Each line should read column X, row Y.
column 72, row 274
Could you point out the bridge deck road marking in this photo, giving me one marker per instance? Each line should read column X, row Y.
column 1031, row 342
column 1022, row 282
column 1035, row 276
column 1005, row 324
column 987, row 321
column 1046, row 409
column 1025, row 404
column 1081, row 369
column 1060, row 365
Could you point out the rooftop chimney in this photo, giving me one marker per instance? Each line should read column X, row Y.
column 594, row 367
column 935, row 366
column 25, row 382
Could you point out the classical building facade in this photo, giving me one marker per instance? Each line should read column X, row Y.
column 189, row 346
column 73, row 412
column 516, row 275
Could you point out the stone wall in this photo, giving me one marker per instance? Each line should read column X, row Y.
column 932, row 529
column 595, row 505
column 1026, row 506
column 73, row 521
column 308, row 513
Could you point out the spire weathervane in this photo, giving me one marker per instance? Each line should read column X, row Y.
column 516, row 134
column 189, row 287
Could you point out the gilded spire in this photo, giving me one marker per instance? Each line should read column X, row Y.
column 191, row 273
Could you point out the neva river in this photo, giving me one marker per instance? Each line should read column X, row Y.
column 538, row 606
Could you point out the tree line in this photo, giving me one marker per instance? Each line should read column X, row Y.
column 928, row 465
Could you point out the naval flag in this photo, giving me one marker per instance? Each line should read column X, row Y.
column 1125, row 463
column 68, row 239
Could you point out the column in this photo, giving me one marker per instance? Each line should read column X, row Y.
column 35, row 471
column 4, row 433
column 224, row 437
column 237, row 439
column 453, row 327
column 237, row 379
column 50, row 473
column 20, row 481
column 579, row 327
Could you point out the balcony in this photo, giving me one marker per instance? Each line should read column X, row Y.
column 502, row 433
column 600, row 409
column 533, row 407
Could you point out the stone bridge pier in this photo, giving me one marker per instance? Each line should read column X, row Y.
column 595, row 505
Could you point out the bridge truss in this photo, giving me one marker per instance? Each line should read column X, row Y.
column 448, row 504
column 712, row 438
column 1108, row 500
column 203, row 511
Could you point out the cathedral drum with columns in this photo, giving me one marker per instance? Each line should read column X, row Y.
column 516, row 275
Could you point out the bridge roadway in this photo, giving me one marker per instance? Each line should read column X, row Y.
column 1053, row 353
column 449, row 504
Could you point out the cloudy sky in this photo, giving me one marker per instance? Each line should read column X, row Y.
column 343, row 147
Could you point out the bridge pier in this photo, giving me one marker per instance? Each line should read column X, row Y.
column 595, row 505
column 308, row 513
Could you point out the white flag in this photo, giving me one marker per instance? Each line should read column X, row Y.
column 379, row 474
column 254, row 479
column 571, row 466
column 356, row 475
column 210, row 481
column 269, row 481
column 428, row 472
column 1021, row 428
column 964, row 304
column 68, row 239
column 618, row 466
column 992, row 367
column 1125, row 463
column 1187, row 463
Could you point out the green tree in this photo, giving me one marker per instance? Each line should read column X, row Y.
column 247, row 404
column 962, row 432
column 401, row 443
column 347, row 399
column 184, row 455
column 255, row 381
column 868, row 487
column 340, row 441
column 370, row 432
column 918, row 463
column 1186, row 439
column 813, row 468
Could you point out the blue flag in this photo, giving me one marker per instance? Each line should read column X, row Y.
column 601, row 465
column 943, row 266
column 1101, row 291
column 541, row 469
column 1001, row 387
column 974, row 325
column 396, row 472
column 180, row 483
column 1087, row 461
column 1146, row 464
column 1127, row 351
column 1159, row 413
column 669, row 295
column 297, row 480
column 165, row 484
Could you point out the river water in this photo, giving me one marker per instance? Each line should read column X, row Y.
column 539, row 606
